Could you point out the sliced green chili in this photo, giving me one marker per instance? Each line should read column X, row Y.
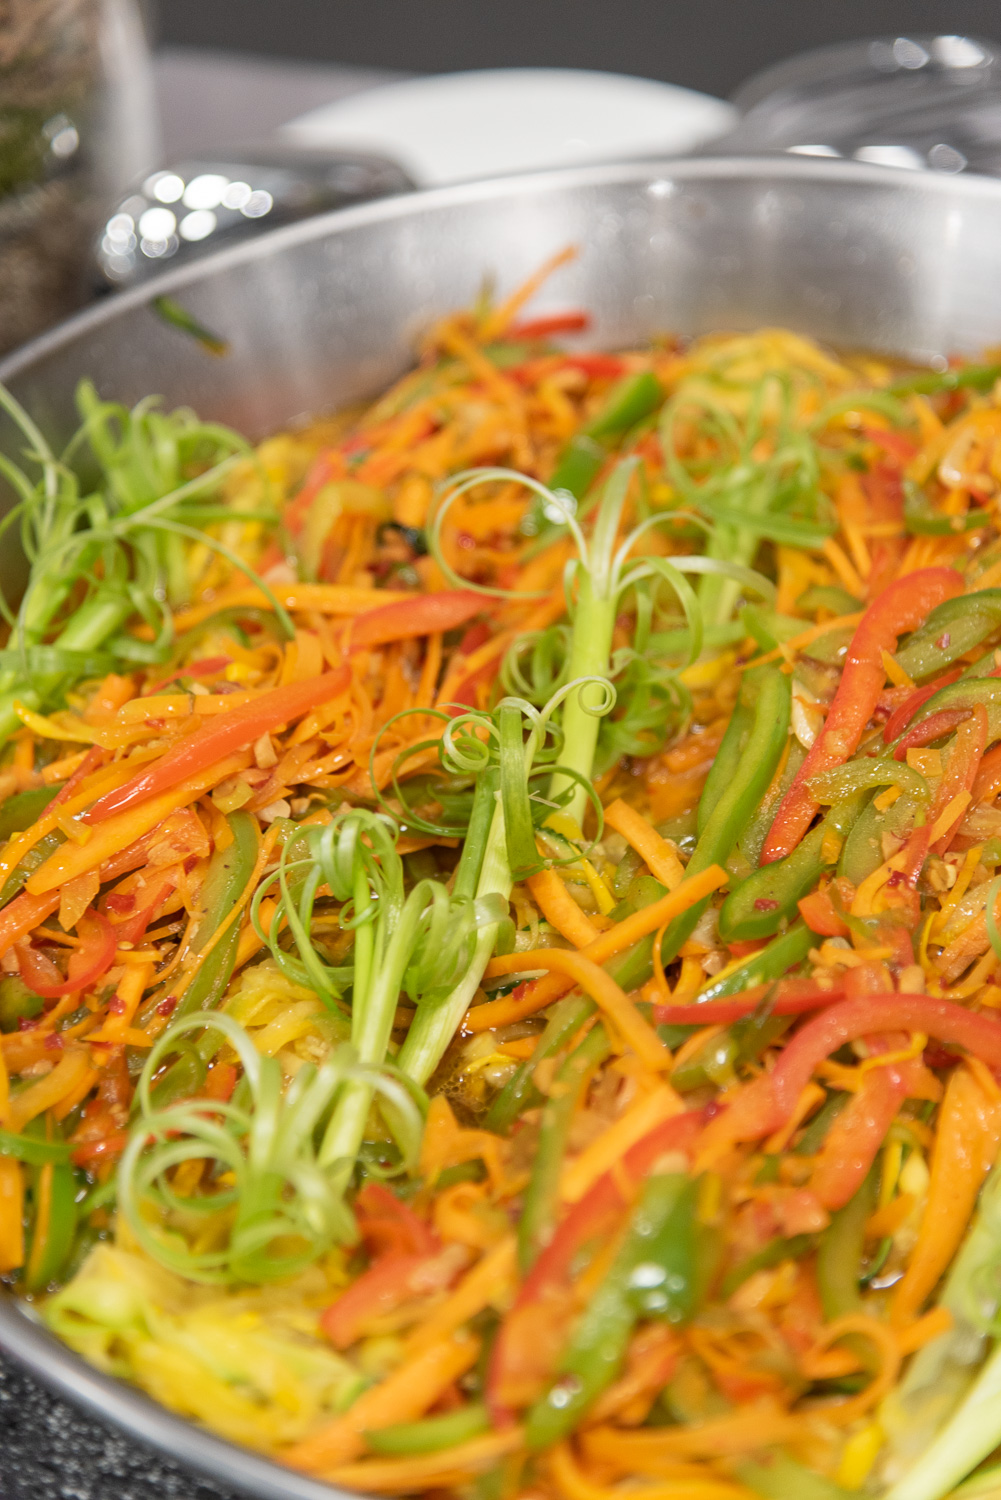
column 653, row 1275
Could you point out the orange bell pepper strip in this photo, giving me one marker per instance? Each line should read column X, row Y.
column 424, row 614
column 225, row 735
column 966, row 1143
column 901, row 607
column 23, row 915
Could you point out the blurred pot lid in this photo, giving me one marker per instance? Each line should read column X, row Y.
column 457, row 126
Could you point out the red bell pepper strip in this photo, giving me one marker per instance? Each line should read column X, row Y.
column 543, row 328
column 901, row 607
column 765, row 1104
column 588, row 1218
column 856, row 1135
column 386, row 1223
column 422, row 615
column 896, row 444
column 884, row 494
column 932, row 728
column 947, row 1022
column 226, row 734
column 794, row 998
column 904, row 713
column 392, row 1280
column 86, row 964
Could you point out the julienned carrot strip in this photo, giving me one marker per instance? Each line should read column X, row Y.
column 679, row 1480
column 11, row 1214
column 23, row 915
column 640, row 833
column 966, row 1143
column 602, row 988
column 616, row 940
column 234, row 731
column 489, row 1281
column 644, row 1115
column 560, row 909
column 761, row 1424
column 109, row 837
column 325, row 598
column 445, row 1469
column 403, row 1396
column 496, row 322
column 94, row 785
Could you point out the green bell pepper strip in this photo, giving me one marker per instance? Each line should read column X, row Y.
column 540, row 1203
column 965, row 693
column 815, row 1134
column 773, row 1254
column 930, row 382
column 922, row 519
column 18, row 813
column 432, row 1434
column 17, row 1001
column 628, row 402
column 828, row 596
column 863, row 848
column 32, row 861
column 839, row 1254
column 519, row 1093
column 781, row 955
column 760, row 903
column 952, row 629
column 652, row 1275
column 54, row 1191
column 747, row 784
column 782, row 1478
column 579, row 466
column 724, row 767
column 32, row 1150
column 863, row 775
column 742, row 1042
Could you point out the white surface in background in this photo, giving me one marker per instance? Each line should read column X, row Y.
column 455, row 126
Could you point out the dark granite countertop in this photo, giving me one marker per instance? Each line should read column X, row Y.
column 50, row 1451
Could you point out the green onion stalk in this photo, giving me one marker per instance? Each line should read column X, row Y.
column 500, row 843
column 125, row 542
column 418, row 943
column 748, row 498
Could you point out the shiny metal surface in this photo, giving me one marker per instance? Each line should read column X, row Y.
column 326, row 312
column 920, row 101
column 193, row 207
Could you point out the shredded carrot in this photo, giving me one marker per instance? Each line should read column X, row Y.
column 403, row 1396
column 560, row 909
column 648, row 843
column 616, row 940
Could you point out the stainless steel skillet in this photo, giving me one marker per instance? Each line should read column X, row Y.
column 326, row 312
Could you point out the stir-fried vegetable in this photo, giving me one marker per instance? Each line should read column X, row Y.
column 501, row 967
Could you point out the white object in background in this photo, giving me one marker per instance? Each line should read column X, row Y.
column 457, row 126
